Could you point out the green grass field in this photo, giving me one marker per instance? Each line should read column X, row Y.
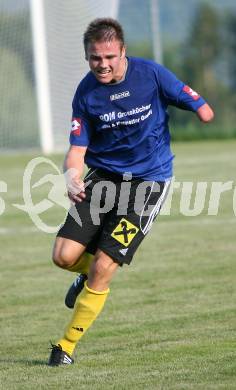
column 170, row 320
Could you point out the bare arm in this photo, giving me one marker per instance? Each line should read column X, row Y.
column 205, row 113
column 73, row 169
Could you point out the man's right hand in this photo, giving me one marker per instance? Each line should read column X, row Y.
column 76, row 188
column 73, row 169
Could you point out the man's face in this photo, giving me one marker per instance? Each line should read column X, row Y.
column 106, row 60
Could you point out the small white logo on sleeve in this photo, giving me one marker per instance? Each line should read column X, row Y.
column 191, row 92
column 76, row 126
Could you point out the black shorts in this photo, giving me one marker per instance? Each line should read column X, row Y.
column 115, row 216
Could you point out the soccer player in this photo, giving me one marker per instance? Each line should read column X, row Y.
column 120, row 130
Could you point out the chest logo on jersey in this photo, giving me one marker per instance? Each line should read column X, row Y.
column 120, row 95
column 76, row 124
column 191, row 92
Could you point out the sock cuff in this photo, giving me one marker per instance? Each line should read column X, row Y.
column 95, row 292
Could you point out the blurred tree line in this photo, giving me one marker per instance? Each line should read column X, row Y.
column 207, row 62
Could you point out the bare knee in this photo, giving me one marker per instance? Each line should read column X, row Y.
column 62, row 258
column 101, row 272
column 101, row 267
column 66, row 252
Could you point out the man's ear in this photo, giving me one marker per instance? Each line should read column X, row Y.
column 123, row 52
column 86, row 53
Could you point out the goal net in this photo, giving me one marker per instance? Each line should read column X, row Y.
column 42, row 61
column 18, row 109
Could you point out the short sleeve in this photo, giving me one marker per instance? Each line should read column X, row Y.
column 176, row 92
column 81, row 128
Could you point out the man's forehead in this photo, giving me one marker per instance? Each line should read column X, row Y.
column 99, row 47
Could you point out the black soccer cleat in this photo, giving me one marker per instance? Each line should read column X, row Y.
column 74, row 290
column 59, row 357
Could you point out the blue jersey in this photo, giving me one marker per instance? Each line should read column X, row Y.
column 125, row 125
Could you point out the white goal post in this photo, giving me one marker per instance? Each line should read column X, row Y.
column 59, row 60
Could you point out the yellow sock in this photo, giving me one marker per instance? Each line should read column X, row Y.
column 83, row 264
column 88, row 307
